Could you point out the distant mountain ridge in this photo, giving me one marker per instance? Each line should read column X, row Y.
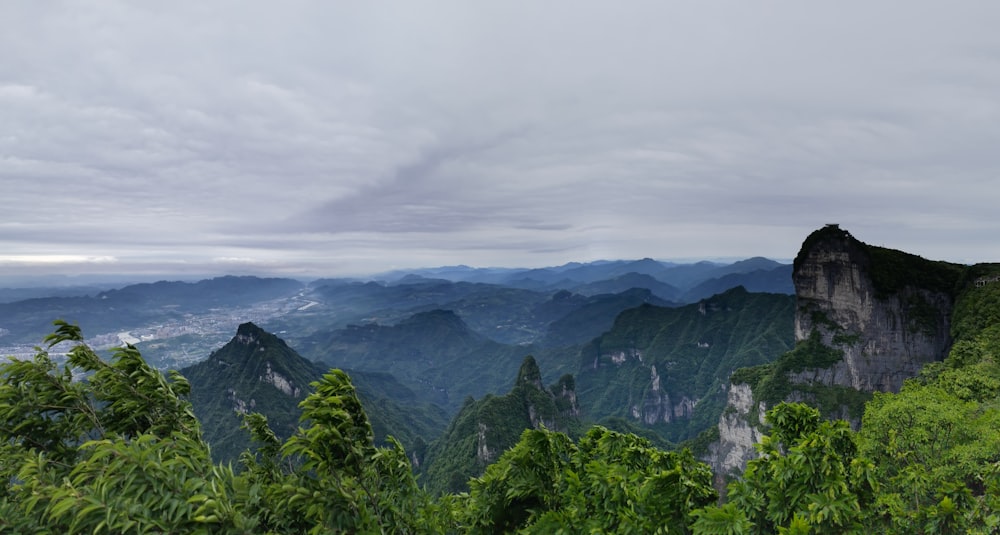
column 138, row 305
column 397, row 295
column 683, row 276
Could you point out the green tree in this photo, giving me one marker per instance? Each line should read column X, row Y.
column 330, row 477
column 607, row 483
column 114, row 447
column 106, row 446
column 936, row 443
column 808, row 479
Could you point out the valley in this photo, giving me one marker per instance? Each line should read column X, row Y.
column 418, row 340
column 496, row 396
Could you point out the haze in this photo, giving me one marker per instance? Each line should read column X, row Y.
column 321, row 138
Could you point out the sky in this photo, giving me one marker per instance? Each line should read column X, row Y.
column 329, row 138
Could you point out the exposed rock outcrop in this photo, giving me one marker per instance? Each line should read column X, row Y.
column 483, row 429
column 886, row 319
column 886, row 312
column 657, row 406
column 738, row 432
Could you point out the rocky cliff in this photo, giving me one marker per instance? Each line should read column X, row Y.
column 485, row 428
column 888, row 312
column 866, row 319
column 258, row 372
column 666, row 368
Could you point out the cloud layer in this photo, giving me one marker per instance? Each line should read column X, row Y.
column 332, row 138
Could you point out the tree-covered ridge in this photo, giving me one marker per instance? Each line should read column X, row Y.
column 667, row 367
column 483, row 429
column 890, row 270
column 258, row 372
column 120, row 451
column 114, row 447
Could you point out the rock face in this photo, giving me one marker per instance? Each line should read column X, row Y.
column 658, row 407
column 737, row 435
column 483, row 429
column 886, row 334
column 255, row 372
column 886, row 311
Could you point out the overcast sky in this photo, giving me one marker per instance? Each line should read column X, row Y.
column 328, row 138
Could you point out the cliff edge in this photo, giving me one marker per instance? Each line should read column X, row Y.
column 887, row 311
column 866, row 319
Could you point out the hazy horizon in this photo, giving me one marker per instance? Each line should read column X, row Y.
column 347, row 138
column 110, row 279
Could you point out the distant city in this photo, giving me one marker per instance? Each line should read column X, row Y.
column 175, row 343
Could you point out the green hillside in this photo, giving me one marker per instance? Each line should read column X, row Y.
column 485, row 428
column 255, row 372
column 258, row 372
column 693, row 350
column 435, row 354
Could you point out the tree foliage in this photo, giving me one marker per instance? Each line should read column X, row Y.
column 89, row 445
column 609, row 482
column 808, row 479
column 113, row 447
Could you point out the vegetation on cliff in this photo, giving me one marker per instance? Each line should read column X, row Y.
column 890, row 270
column 96, row 446
column 483, row 429
column 654, row 358
column 123, row 452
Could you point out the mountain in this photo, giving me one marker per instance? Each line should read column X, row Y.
column 434, row 353
column 498, row 312
column 459, row 273
column 773, row 280
column 485, row 428
column 255, row 372
column 629, row 281
column 201, row 295
column 258, row 372
column 666, row 368
column 11, row 295
column 866, row 319
column 594, row 315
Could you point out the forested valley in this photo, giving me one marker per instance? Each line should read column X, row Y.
column 621, row 440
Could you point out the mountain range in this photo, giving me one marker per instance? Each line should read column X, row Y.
column 421, row 346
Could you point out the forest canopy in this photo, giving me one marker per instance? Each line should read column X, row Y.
column 113, row 446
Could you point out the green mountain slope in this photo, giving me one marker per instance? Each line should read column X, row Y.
column 434, row 353
column 667, row 367
column 485, row 428
column 258, row 372
column 255, row 372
